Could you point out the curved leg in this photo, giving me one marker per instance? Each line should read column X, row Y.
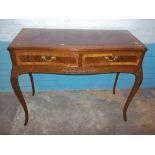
column 115, row 83
column 16, row 88
column 32, row 84
column 138, row 81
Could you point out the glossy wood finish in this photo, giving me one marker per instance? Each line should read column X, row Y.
column 76, row 52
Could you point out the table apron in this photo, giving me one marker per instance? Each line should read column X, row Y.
column 76, row 70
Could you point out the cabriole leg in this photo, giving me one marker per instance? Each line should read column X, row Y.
column 115, row 83
column 32, row 83
column 137, row 83
column 16, row 88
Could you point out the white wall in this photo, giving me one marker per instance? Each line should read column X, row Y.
column 142, row 29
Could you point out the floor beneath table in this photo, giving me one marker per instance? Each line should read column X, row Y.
column 78, row 112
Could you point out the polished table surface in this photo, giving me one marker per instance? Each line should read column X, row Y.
column 75, row 51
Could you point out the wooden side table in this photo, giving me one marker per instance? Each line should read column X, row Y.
column 75, row 52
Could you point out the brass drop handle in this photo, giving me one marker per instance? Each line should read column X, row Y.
column 48, row 58
column 111, row 58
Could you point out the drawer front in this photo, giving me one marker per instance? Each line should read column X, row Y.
column 111, row 58
column 47, row 58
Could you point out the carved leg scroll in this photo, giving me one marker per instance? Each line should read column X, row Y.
column 32, row 83
column 16, row 88
column 115, row 83
column 138, row 81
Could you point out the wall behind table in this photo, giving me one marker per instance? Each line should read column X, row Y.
column 142, row 29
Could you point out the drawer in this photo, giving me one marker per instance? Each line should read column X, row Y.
column 47, row 58
column 111, row 58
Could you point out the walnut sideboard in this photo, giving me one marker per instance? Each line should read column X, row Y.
column 74, row 51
